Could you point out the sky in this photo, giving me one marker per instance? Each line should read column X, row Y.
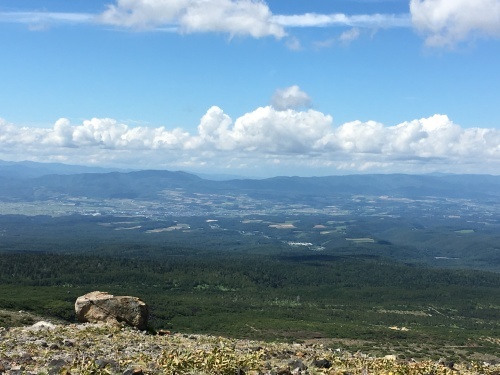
column 252, row 87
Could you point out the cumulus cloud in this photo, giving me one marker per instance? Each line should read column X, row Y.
column 102, row 133
column 290, row 97
column 236, row 17
column 264, row 138
column 265, row 130
column 288, row 131
column 448, row 22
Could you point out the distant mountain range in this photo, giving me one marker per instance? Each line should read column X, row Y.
column 30, row 169
column 28, row 181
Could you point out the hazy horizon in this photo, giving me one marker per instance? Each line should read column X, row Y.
column 82, row 168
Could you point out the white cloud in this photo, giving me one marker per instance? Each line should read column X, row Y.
column 280, row 131
column 327, row 43
column 448, row 22
column 251, row 18
column 349, row 36
column 236, row 17
column 102, row 133
column 290, row 97
column 293, row 44
column 265, row 130
column 287, row 139
column 35, row 18
column 345, row 38
column 340, row 19
column 213, row 131
column 40, row 21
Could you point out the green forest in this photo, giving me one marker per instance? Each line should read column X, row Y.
column 260, row 289
column 287, row 297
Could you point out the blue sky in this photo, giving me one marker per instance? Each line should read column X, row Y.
column 303, row 87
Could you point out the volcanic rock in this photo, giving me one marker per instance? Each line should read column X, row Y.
column 98, row 307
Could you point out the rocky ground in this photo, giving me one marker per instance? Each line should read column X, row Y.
column 46, row 348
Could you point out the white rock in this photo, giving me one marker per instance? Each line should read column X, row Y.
column 42, row 325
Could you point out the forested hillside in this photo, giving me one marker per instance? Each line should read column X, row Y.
column 289, row 296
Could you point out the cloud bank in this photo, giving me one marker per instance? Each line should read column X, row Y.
column 303, row 140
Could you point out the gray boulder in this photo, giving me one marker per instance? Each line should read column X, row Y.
column 98, row 307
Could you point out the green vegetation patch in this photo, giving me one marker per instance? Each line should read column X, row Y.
column 294, row 296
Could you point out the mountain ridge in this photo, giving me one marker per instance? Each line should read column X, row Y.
column 148, row 184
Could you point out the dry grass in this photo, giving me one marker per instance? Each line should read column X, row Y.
column 107, row 349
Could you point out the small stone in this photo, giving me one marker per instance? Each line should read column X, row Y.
column 41, row 343
column 16, row 370
column 133, row 371
column 103, row 363
column 25, row 357
column 40, row 326
column 321, row 363
column 297, row 365
column 67, row 342
column 57, row 363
